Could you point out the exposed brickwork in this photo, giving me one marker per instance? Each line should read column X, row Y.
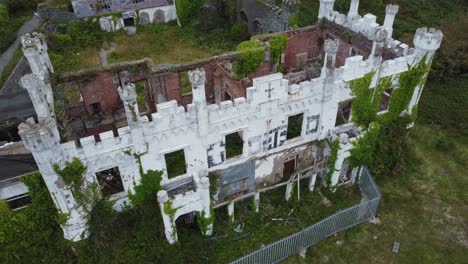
column 308, row 41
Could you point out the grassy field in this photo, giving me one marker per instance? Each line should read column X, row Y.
column 163, row 43
column 425, row 210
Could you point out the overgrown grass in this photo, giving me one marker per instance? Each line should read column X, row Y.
column 424, row 210
column 163, row 43
column 10, row 66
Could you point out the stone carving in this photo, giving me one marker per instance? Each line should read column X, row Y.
column 197, row 77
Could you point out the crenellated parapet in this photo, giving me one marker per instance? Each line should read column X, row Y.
column 427, row 41
column 41, row 136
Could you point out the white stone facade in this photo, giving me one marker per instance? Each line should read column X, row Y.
column 161, row 14
column 200, row 130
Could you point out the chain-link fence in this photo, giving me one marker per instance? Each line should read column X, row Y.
column 333, row 224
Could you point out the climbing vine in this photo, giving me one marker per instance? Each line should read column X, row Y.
column 204, row 222
column 365, row 107
column 277, row 46
column 252, row 55
column 85, row 193
column 150, row 183
column 335, row 146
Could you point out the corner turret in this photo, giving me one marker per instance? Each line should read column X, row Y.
column 35, row 51
column 390, row 13
column 427, row 41
column 326, row 7
column 198, row 78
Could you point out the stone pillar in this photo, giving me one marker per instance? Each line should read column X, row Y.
column 326, row 6
column 289, row 188
column 231, row 211
column 35, row 51
column 129, row 98
column 204, row 188
column 390, row 13
column 426, row 42
column 331, row 49
column 342, row 154
column 168, row 220
column 353, row 10
column 378, row 45
column 44, row 143
column 312, row 180
column 197, row 78
column 256, row 202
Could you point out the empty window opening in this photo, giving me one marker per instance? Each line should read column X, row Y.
column 187, row 220
column 294, row 126
column 110, row 181
column 385, row 100
column 289, row 167
column 128, row 22
column 141, row 98
column 234, row 145
column 96, row 108
column 343, row 113
column 19, row 201
column 227, row 96
column 175, row 163
column 184, row 83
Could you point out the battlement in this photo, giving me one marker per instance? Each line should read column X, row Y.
column 35, row 41
column 428, row 39
column 40, row 136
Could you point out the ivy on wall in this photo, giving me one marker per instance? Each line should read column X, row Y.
column 85, row 193
column 252, row 56
column 150, row 183
column 277, row 46
column 335, row 147
column 204, row 222
column 365, row 107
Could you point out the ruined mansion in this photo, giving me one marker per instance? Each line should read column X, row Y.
column 217, row 138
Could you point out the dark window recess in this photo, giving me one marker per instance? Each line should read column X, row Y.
column 289, row 167
column 243, row 16
column 385, row 100
column 96, row 108
column 234, row 145
column 343, row 113
column 110, row 181
column 128, row 22
column 227, row 96
column 141, row 98
column 188, row 219
column 294, row 126
column 175, row 163
column 18, row 202
column 184, row 83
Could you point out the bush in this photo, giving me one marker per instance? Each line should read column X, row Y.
column 188, row 10
column 238, row 31
column 252, row 55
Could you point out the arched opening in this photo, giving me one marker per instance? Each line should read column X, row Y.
column 144, row 18
column 257, row 27
column 159, row 16
column 243, row 16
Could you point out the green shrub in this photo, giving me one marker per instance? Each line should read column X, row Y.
column 238, row 31
column 188, row 10
column 277, row 46
column 252, row 56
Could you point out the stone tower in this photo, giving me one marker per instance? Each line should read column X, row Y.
column 44, row 142
column 35, row 51
column 326, row 6
column 197, row 78
column 427, row 41
column 353, row 10
column 390, row 13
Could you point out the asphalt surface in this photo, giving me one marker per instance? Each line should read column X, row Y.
column 27, row 27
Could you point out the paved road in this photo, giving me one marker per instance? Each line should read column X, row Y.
column 27, row 27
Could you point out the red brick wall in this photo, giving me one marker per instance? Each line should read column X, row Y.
column 301, row 41
column 100, row 89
